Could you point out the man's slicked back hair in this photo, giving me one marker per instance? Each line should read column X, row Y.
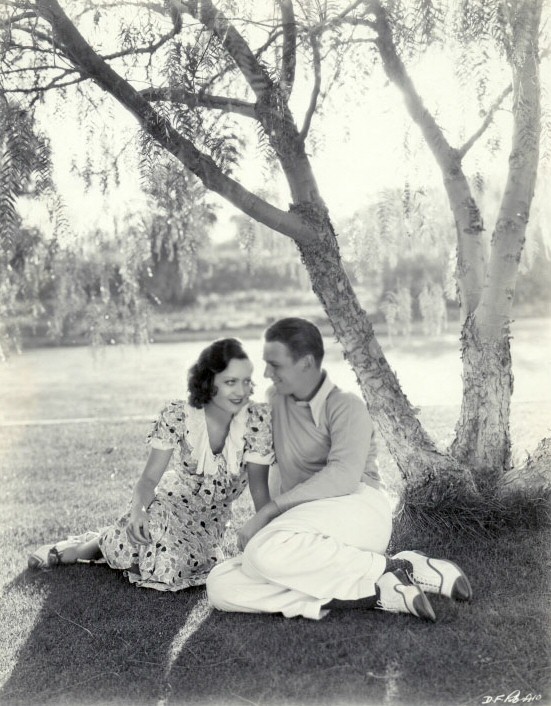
column 299, row 335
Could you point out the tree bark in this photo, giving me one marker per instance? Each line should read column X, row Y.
column 482, row 433
column 432, row 478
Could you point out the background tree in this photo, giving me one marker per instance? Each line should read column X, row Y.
column 25, row 172
column 197, row 62
column 486, row 284
column 177, row 219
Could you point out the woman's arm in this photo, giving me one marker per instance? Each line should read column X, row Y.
column 258, row 484
column 144, row 493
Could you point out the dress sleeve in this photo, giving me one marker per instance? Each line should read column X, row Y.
column 169, row 428
column 259, row 447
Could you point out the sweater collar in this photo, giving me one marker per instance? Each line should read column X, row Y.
column 317, row 402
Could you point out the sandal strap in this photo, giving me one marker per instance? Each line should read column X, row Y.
column 54, row 556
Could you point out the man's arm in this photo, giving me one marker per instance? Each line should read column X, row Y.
column 351, row 431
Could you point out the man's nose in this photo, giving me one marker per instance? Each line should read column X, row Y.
column 268, row 371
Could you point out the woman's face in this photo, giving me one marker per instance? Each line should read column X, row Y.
column 233, row 385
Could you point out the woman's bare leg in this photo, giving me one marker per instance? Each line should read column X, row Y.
column 87, row 551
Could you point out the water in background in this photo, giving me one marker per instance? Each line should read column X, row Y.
column 132, row 382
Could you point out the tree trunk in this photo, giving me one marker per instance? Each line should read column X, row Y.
column 482, row 434
column 482, row 439
column 432, row 478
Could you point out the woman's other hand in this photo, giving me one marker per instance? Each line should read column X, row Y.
column 138, row 527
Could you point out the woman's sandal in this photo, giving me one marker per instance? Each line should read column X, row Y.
column 51, row 555
column 48, row 556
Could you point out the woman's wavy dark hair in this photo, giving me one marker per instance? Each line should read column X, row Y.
column 212, row 360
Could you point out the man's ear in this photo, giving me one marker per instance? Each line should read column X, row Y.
column 308, row 362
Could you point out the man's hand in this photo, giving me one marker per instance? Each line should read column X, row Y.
column 263, row 517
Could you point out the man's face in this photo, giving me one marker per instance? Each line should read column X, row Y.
column 286, row 374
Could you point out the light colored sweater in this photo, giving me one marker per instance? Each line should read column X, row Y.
column 324, row 447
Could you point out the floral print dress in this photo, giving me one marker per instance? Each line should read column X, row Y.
column 192, row 505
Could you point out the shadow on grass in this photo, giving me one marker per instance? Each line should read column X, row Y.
column 497, row 645
column 98, row 640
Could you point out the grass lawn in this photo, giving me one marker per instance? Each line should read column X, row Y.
column 84, row 635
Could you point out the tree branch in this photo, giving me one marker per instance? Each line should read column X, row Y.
column 86, row 60
column 342, row 18
column 232, row 41
column 462, row 151
column 289, row 56
column 471, row 258
column 53, row 84
column 36, row 34
column 22, row 16
column 150, row 49
column 200, row 100
column 274, row 34
column 396, row 71
column 316, row 89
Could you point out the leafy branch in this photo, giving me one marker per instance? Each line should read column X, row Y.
column 462, row 151
column 200, row 100
column 316, row 89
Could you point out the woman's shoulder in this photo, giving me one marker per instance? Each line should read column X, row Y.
column 176, row 412
column 259, row 418
column 176, row 407
column 259, row 410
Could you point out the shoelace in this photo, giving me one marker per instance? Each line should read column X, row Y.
column 422, row 582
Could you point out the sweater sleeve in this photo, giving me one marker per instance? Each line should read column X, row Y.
column 351, row 434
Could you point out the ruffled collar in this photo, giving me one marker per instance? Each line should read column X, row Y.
column 198, row 438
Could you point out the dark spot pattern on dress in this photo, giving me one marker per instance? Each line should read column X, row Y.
column 191, row 509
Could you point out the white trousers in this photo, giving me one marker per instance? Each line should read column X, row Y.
column 324, row 549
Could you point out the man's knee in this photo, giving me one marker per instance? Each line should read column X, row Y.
column 266, row 555
column 220, row 587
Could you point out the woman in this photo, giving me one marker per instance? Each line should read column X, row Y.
column 170, row 537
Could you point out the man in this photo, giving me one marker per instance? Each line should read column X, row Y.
column 321, row 543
